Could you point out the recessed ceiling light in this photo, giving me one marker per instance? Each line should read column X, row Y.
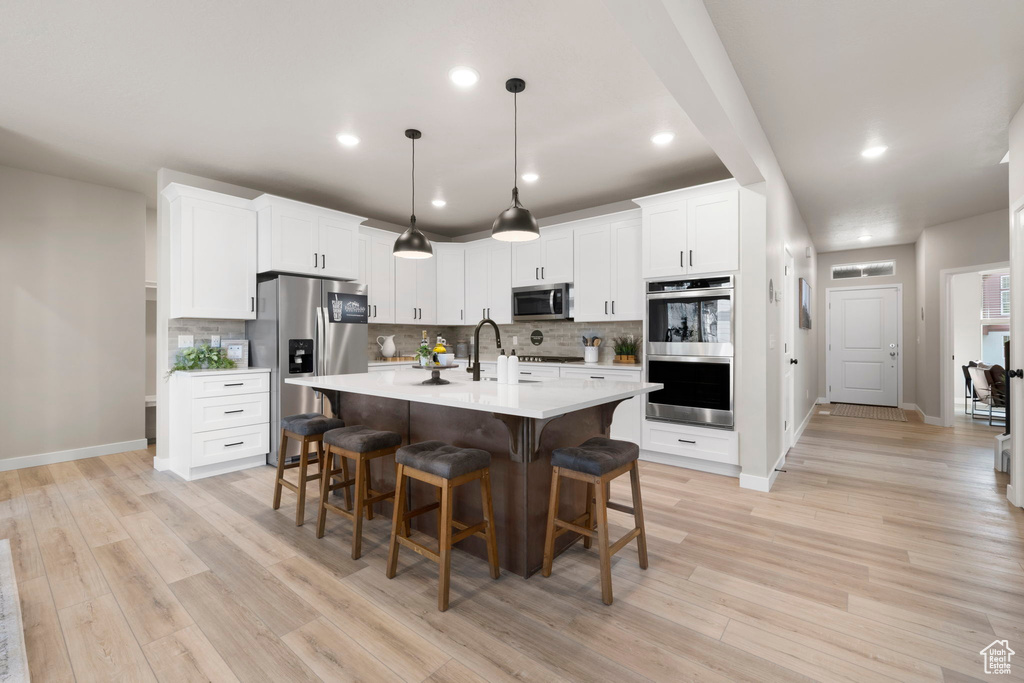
column 662, row 138
column 1006, row 158
column 439, row 203
column 872, row 152
column 530, row 177
column 348, row 140
column 864, row 238
column 463, row 76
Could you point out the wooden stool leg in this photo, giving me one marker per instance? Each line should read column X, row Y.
column 326, row 472
column 487, row 505
column 344, row 477
column 357, row 516
column 396, row 519
column 282, row 449
column 549, row 536
column 444, row 538
column 602, row 543
column 366, row 489
column 587, row 541
column 638, row 515
column 300, row 506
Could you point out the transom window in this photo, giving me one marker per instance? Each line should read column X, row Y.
column 870, row 269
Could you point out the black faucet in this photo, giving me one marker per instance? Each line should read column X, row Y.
column 475, row 369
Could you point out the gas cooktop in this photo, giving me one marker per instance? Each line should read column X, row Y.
column 551, row 359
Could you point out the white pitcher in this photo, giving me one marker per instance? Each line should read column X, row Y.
column 387, row 347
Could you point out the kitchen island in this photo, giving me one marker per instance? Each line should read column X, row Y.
column 518, row 424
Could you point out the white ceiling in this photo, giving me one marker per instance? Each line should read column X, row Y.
column 254, row 93
column 935, row 80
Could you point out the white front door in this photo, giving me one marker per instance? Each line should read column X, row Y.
column 863, row 346
column 789, row 321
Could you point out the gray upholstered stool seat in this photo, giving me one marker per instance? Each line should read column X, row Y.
column 596, row 456
column 443, row 460
column 309, row 424
column 360, row 439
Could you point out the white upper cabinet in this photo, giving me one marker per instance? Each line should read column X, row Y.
column 451, row 283
column 608, row 284
column 488, row 281
column 544, row 260
column 691, row 231
column 415, row 290
column 213, row 255
column 306, row 240
column 712, row 232
column 376, row 270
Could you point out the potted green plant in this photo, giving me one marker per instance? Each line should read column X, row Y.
column 424, row 355
column 202, row 357
column 625, row 348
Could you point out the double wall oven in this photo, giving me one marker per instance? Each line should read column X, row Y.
column 690, row 351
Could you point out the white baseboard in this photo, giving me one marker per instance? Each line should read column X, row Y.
column 24, row 461
column 762, row 484
column 822, row 399
column 929, row 420
column 803, row 425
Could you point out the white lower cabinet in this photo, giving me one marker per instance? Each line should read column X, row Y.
column 219, row 421
column 714, row 445
column 628, row 414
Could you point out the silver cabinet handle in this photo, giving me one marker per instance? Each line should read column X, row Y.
column 483, row 312
column 235, row 384
column 237, row 443
column 686, row 441
column 229, row 412
column 596, row 377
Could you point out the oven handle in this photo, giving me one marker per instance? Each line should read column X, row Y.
column 693, row 359
column 726, row 293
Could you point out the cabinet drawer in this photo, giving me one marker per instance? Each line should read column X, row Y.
column 601, row 373
column 221, row 412
column 222, row 445
column 693, row 442
column 230, row 385
column 538, row 371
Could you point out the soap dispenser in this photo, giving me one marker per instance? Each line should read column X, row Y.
column 513, row 368
column 503, row 368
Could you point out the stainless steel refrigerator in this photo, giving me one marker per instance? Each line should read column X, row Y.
column 305, row 327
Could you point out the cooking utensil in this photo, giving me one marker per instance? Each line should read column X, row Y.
column 595, row 341
column 586, row 342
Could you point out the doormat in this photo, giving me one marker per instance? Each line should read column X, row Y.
column 869, row 412
column 13, row 658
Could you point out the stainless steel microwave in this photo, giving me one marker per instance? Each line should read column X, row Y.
column 542, row 302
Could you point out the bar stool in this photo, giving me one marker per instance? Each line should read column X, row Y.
column 362, row 445
column 596, row 461
column 308, row 428
column 444, row 466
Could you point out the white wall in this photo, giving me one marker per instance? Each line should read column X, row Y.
column 72, row 333
column 966, row 323
column 975, row 241
column 905, row 274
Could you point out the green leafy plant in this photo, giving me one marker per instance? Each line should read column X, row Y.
column 425, row 352
column 626, row 345
column 201, row 357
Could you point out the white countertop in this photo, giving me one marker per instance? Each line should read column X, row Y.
column 226, row 371
column 605, row 364
column 539, row 399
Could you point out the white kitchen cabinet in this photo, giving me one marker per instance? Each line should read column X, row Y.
column 712, row 233
column 544, row 260
column 303, row 239
column 488, row 281
column 376, row 270
column 691, row 231
column 451, row 283
column 608, row 280
column 213, row 254
column 699, row 443
column 626, row 421
column 219, row 421
column 415, row 290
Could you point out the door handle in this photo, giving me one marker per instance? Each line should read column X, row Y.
column 1015, row 373
column 892, row 354
column 793, row 361
column 316, row 259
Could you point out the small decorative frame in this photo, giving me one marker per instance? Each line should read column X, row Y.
column 237, row 350
column 805, row 305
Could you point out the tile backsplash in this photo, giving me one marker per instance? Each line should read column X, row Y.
column 561, row 338
column 201, row 331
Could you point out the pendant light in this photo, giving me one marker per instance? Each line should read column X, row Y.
column 412, row 243
column 516, row 223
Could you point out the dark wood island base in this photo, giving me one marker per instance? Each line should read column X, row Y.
column 520, row 449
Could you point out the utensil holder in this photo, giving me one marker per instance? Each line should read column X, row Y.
column 590, row 354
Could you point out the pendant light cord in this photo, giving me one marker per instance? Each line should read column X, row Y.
column 414, row 178
column 515, row 140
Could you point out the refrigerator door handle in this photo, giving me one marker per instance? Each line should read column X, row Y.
column 319, row 350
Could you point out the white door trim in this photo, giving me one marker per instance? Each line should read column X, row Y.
column 789, row 323
column 947, row 379
column 1015, row 490
column 899, row 334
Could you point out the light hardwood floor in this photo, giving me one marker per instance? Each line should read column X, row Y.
column 886, row 551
